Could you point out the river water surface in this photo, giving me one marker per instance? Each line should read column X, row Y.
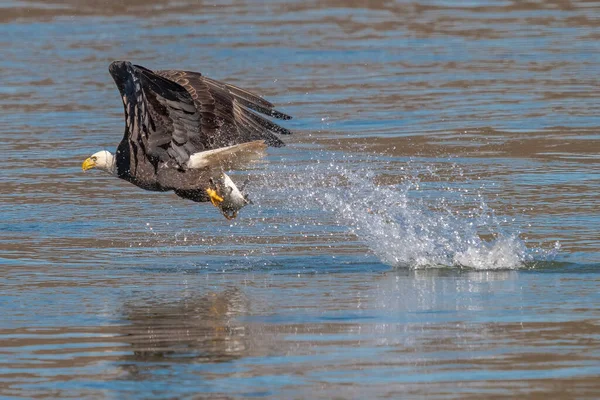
column 431, row 229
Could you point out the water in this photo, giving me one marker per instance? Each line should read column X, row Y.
column 431, row 229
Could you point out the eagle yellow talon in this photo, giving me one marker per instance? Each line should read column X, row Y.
column 215, row 199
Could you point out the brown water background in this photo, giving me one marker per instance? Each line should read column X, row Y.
column 431, row 229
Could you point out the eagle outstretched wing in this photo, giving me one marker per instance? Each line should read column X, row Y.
column 171, row 115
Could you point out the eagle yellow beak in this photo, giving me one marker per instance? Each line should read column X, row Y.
column 88, row 164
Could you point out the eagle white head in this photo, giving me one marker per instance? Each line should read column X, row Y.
column 103, row 160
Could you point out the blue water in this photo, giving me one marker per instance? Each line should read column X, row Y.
column 430, row 230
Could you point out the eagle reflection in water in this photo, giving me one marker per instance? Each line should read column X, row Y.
column 202, row 329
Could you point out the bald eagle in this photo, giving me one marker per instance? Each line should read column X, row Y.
column 183, row 130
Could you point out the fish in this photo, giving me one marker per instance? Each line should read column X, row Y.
column 226, row 196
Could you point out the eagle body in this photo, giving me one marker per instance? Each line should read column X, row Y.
column 182, row 129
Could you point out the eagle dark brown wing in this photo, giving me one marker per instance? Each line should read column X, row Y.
column 171, row 115
column 227, row 116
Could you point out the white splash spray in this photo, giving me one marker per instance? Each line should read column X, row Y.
column 398, row 226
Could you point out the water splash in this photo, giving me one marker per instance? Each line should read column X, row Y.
column 400, row 226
